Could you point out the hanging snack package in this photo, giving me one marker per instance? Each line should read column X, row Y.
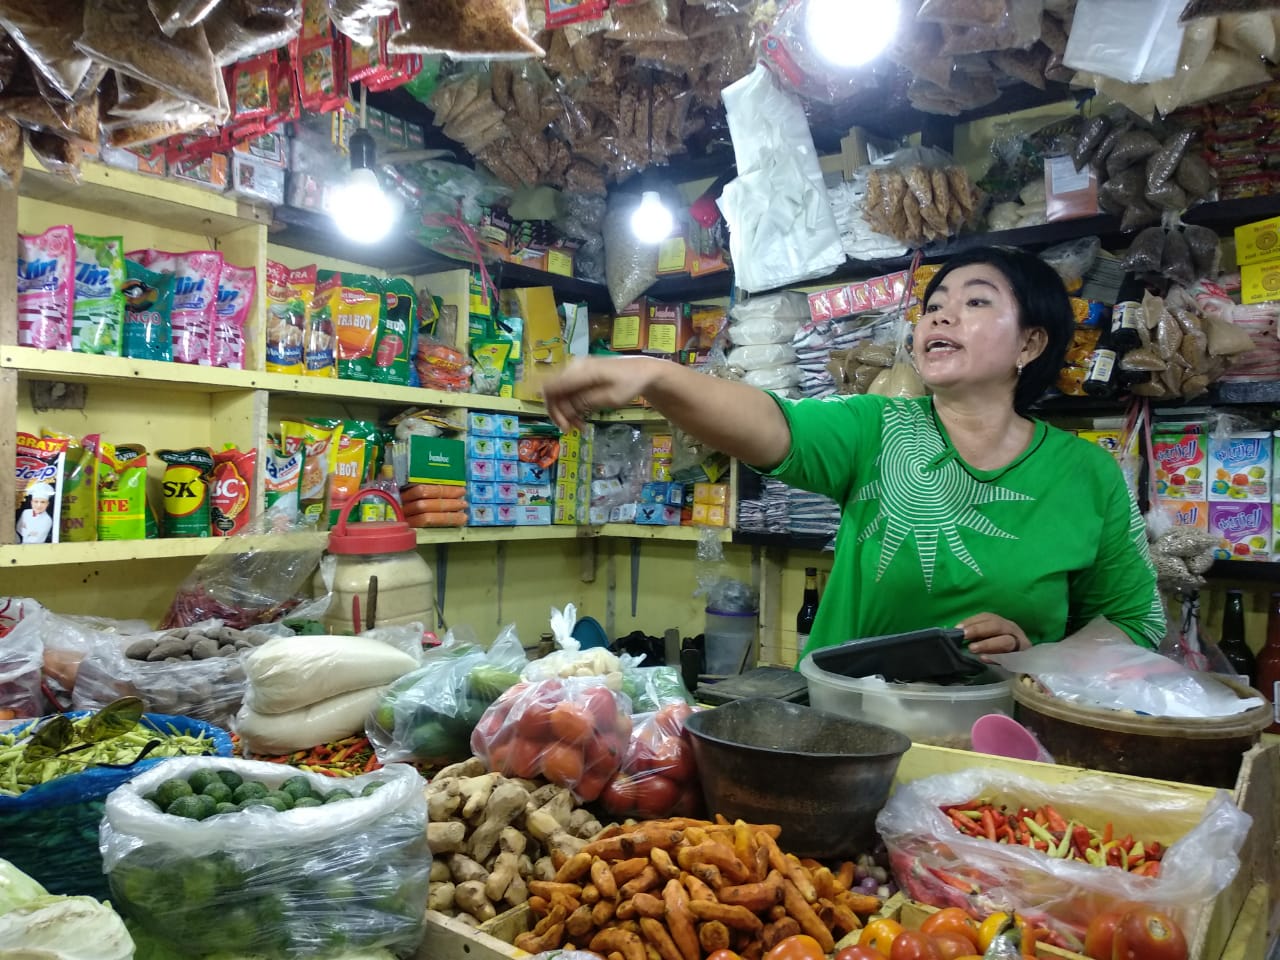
column 46, row 33
column 352, row 461
column 356, row 323
column 399, row 313
column 231, row 492
column 187, row 474
column 964, row 13
column 195, row 301
column 122, row 491
column 175, row 15
column 240, row 29
column 283, row 476
column 39, row 475
column 148, row 303
column 318, row 443
column 289, row 294
column 236, row 287
column 78, row 520
column 98, row 320
column 46, row 266
column 483, row 30
column 358, row 19
column 318, row 349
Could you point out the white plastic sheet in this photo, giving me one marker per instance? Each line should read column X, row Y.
column 1136, row 41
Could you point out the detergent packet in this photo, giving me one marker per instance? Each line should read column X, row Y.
column 122, row 492
column 46, row 267
column 233, row 472
column 235, row 299
column 78, row 517
column 195, row 301
column 289, row 294
column 394, row 343
column 39, row 475
column 187, row 476
column 283, row 476
column 98, row 317
column 148, row 302
column 319, row 354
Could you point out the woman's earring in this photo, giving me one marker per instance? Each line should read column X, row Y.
column 1020, row 366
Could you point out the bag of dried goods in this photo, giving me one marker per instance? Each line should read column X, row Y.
column 279, row 734
column 257, row 858
column 481, row 29
column 570, row 660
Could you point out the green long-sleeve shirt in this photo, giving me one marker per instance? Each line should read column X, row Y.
column 1050, row 541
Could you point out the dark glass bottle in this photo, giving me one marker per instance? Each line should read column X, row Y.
column 1126, row 316
column 1104, row 368
column 1269, row 663
column 1232, row 644
column 808, row 608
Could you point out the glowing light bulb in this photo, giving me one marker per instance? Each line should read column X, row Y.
column 362, row 210
column 851, row 33
column 652, row 221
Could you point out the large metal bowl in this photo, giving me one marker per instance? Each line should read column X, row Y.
column 819, row 776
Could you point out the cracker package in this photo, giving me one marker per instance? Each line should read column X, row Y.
column 283, row 476
column 46, row 268
column 186, row 489
column 289, row 294
column 318, row 444
column 78, row 516
column 356, row 320
column 148, row 304
column 98, row 323
column 235, row 299
column 391, row 352
column 122, row 491
column 39, row 469
column 231, row 492
column 318, row 356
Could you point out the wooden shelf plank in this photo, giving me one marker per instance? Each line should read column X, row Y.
column 636, row 531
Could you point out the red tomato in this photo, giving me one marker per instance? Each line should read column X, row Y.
column 670, row 719
column 623, row 727
column 1101, row 934
column 1147, row 934
column 953, row 921
column 523, row 759
column 488, row 729
column 602, row 706
column 799, row 947
column 499, row 756
column 561, row 763
column 913, row 945
column 674, row 758
column 535, row 721
column 859, row 953
column 952, row 946
column 647, row 797
column 570, row 722
column 590, row 786
column 602, row 756
column 723, row 955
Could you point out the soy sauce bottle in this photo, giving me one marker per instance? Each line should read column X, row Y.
column 1104, row 368
column 1232, row 644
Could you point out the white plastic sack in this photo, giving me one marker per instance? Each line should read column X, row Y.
column 1119, row 675
column 762, row 355
column 290, row 673
column 781, row 229
column 276, row 734
column 764, row 330
column 570, row 660
column 1136, row 41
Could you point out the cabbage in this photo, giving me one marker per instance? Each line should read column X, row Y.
column 64, row 928
column 16, row 888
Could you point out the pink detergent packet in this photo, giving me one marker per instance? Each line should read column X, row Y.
column 235, row 298
column 46, row 288
column 158, row 261
column 195, row 302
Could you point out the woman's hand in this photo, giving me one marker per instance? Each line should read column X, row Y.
column 989, row 633
column 595, row 383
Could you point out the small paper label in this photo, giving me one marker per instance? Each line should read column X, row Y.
column 1065, row 178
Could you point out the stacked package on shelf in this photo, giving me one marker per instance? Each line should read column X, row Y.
column 661, row 498
column 767, row 513
column 537, row 454
column 573, row 476
column 618, row 474
column 1259, row 320
column 761, row 331
column 1239, row 485
column 857, row 236
column 1179, row 455
column 435, row 492
column 493, row 468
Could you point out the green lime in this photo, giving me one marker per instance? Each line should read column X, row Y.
column 202, row 778
column 271, row 800
column 190, row 807
column 170, row 791
column 225, row 808
column 386, row 716
column 285, row 799
column 297, row 787
column 230, row 778
column 333, row 796
column 307, row 802
column 220, row 792
column 369, row 788
column 249, row 791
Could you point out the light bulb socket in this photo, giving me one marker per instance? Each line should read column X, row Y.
column 362, row 150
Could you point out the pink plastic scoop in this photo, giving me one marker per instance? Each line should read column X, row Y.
column 1005, row 737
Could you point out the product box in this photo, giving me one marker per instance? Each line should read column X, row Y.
column 123, row 159
column 654, row 514
column 482, row 492
column 660, row 445
column 506, row 493
column 711, row 494
column 571, row 472
column 495, row 230
column 482, row 448
column 670, row 329
column 508, row 425
column 270, row 148
column 482, row 424
column 1240, row 467
column 535, row 495
column 486, row 470
column 565, row 513
column 542, row 346
column 710, row 515
column 213, row 171
column 1186, row 513
column 534, row 473
column 630, row 330
column 566, row 489
column 1256, row 242
column 482, row 515
column 1260, row 282
column 505, row 514
column 508, row 471
column 257, row 179
column 508, row 448
column 707, row 322
column 1275, row 530
column 439, row 460
column 667, row 494
column 623, row 513
column 570, row 446
column 1180, row 464
column 596, row 516
column 533, row 516
column 660, row 471
column 1243, row 530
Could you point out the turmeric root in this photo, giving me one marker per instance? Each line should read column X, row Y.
column 739, row 918
column 622, row 941
column 656, row 934
column 680, row 921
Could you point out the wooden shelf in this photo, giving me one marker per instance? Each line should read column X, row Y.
column 632, row 415
column 1244, row 571
column 637, row 531
column 502, row 534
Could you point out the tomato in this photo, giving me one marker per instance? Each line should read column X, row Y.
column 602, row 756
column 723, row 955
column 1147, row 934
column 858, row 953
column 670, row 719
column 570, row 722
column 602, row 707
column 913, row 945
column 689, row 803
column 799, row 947
column 561, row 763
column 623, row 727
column 1101, row 934
column 952, row 946
column 648, row 796
column 535, row 721
column 952, row 920
column 523, row 759
column 879, row 935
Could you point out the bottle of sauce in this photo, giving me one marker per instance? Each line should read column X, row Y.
column 808, row 608
column 1103, row 371
column 1232, row 644
column 1269, row 663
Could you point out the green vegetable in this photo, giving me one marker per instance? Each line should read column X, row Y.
column 193, row 807
column 302, row 802
column 371, row 787
column 170, row 791
column 429, row 741
column 230, row 778
column 333, row 796
column 285, row 798
column 225, row 808
column 203, row 778
column 219, row 791
column 488, row 682
column 297, row 787
column 268, row 800
column 16, row 888
column 249, row 791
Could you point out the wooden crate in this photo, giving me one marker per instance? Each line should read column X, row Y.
column 450, row 939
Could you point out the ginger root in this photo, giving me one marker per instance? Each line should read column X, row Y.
column 470, row 897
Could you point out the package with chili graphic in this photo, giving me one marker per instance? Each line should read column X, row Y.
column 659, row 776
column 937, row 863
column 229, row 507
column 571, row 731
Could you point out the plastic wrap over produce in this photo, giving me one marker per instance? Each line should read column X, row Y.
column 304, row 864
column 781, row 228
column 932, row 860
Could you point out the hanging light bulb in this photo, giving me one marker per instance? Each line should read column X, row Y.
column 360, row 208
column 652, row 222
column 851, row 33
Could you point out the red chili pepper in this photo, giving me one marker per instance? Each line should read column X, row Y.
column 989, row 825
column 968, row 805
column 1126, row 842
column 1041, row 818
column 964, row 824
column 1106, row 834
column 1009, row 834
column 1155, row 851
column 1055, row 822
column 1113, row 857
column 1081, row 839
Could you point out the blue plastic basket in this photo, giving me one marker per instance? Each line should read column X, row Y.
column 51, row 832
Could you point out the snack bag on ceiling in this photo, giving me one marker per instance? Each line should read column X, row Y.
column 233, row 472
column 46, row 266
column 79, row 514
column 98, row 324
column 122, row 492
column 353, row 457
column 318, row 445
column 39, row 473
column 357, row 325
column 148, row 303
column 392, row 350
column 186, row 491
column 318, row 353
column 236, row 286
column 283, row 476
column 289, row 294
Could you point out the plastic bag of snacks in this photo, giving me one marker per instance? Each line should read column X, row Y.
column 571, row 731
column 658, row 776
column 283, row 863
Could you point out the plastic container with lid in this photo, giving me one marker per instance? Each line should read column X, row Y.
column 729, row 636
column 379, row 572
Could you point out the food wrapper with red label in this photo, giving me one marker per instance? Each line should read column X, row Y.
column 229, row 509
column 658, row 777
column 571, row 731
column 39, row 475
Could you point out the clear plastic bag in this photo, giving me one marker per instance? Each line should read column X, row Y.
column 658, row 776
column 289, row 673
column 1018, row 29
column 46, row 33
column 631, row 267
column 358, row 19
column 175, row 15
column 760, row 356
column 280, row 734
column 652, row 688
column 649, row 21
column 1131, row 42
column 1216, row 8
column 240, row 29
column 1073, row 259
column 774, row 378
column 259, row 881
column 427, row 716
column 926, row 850
column 482, row 29
column 569, row 660
column 21, row 661
column 968, row 13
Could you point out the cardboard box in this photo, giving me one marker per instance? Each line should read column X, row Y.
column 438, row 460
column 506, row 514
column 482, row 515
column 481, row 492
column 1257, row 242
column 630, row 328
column 508, row 425
column 543, row 344
column 508, row 471
column 257, row 179
column 670, row 329
column 709, row 515
column 535, row 495
column 653, row 514
column 1243, row 530
column 482, row 424
column 539, row 516
column 506, row 493
column 486, row 470
column 534, row 473
column 566, row 489
column 565, row 513
column 508, row 448
column 569, row 472
column 270, row 148
column 481, row 447
column 712, row 494
column 213, row 171
column 1240, row 467
column 570, row 446
column 1260, row 282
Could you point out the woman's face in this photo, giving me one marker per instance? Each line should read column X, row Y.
column 969, row 336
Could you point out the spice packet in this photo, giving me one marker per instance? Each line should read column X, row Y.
column 78, row 517
column 236, row 287
column 353, row 462
column 283, row 476
column 122, row 492
column 319, row 358
column 46, row 266
column 39, row 474
column 392, row 349
column 98, row 317
column 318, row 443
column 195, row 298
column 356, row 321
column 231, row 492
column 187, row 475
column 289, row 294
column 148, row 303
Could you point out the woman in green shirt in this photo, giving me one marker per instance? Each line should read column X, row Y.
column 957, row 508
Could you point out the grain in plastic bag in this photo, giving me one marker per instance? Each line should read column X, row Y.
column 1135, row 41
column 349, row 868
column 358, row 19
column 631, row 267
column 175, row 15
column 46, row 33
column 241, row 29
column 659, row 774
column 965, row 13
column 480, row 29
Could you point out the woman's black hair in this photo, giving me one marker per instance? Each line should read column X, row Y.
column 1042, row 302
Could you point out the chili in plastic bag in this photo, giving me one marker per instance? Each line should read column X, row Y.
column 475, row 29
column 46, row 32
column 175, row 15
